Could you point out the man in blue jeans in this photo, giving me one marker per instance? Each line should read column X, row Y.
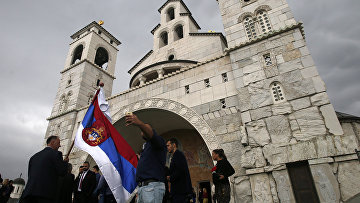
column 150, row 172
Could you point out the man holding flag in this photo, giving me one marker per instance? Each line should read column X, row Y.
column 114, row 156
column 150, row 173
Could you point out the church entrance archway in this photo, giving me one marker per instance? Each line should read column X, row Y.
column 173, row 120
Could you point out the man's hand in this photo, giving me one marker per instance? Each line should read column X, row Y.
column 168, row 178
column 221, row 177
column 132, row 120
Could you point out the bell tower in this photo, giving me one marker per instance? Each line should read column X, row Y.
column 91, row 59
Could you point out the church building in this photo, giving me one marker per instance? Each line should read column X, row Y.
column 253, row 91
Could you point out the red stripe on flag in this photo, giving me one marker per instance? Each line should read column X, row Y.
column 121, row 145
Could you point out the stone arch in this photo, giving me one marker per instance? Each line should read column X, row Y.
column 199, row 124
column 244, row 15
column 262, row 8
column 103, row 60
column 163, row 37
column 170, row 13
column 77, row 53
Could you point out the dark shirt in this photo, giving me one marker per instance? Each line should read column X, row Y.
column 223, row 167
column 152, row 161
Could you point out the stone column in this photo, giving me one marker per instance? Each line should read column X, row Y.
column 142, row 80
column 160, row 73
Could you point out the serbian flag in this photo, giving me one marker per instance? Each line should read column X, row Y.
column 114, row 156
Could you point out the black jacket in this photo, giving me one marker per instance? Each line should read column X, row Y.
column 179, row 174
column 88, row 186
column 223, row 167
column 45, row 167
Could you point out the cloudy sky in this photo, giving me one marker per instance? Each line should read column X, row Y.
column 34, row 41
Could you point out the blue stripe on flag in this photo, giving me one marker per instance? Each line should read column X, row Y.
column 123, row 166
column 89, row 118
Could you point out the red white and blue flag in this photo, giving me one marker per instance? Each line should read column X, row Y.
column 114, row 156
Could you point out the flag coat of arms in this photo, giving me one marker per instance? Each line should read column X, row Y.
column 114, row 156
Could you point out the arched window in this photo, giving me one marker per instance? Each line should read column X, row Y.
column 170, row 14
column 102, row 58
column 77, row 54
column 277, row 92
column 163, row 39
column 151, row 76
column 264, row 22
column 170, row 70
column 250, row 28
column 179, row 32
column 63, row 104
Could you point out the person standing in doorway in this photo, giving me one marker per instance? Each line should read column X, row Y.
column 180, row 182
column 220, row 174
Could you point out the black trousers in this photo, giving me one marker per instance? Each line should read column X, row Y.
column 109, row 199
column 179, row 198
column 34, row 199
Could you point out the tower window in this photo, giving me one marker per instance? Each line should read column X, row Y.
column 267, row 59
column 179, row 32
column 171, row 57
column 102, row 58
column 163, row 39
column 224, row 77
column 264, row 22
column 171, row 14
column 250, row 28
column 63, row 104
column 223, row 103
column 277, row 93
column 207, row 83
column 77, row 54
column 187, row 89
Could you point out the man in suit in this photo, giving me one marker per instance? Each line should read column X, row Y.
column 180, row 182
column 45, row 168
column 85, row 185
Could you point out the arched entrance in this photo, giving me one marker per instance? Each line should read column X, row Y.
column 172, row 119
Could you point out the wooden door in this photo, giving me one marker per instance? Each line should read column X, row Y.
column 302, row 182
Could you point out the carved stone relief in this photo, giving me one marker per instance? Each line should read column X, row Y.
column 188, row 114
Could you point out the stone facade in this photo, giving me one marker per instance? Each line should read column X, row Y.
column 260, row 99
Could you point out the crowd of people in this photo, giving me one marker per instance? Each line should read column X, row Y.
column 50, row 178
column 6, row 188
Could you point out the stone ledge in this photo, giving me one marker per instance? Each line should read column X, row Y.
column 346, row 158
column 93, row 64
column 254, row 171
column 321, row 161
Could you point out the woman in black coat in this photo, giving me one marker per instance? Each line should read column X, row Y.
column 220, row 174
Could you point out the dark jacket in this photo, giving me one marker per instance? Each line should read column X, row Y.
column 45, row 168
column 223, row 167
column 65, row 190
column 179, row 174
column 88, row 186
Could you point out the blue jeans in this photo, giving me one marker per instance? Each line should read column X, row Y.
column 152, row 193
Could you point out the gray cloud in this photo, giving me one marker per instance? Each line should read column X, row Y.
column 35, row 39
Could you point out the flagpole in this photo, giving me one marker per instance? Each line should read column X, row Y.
column 73, row 142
